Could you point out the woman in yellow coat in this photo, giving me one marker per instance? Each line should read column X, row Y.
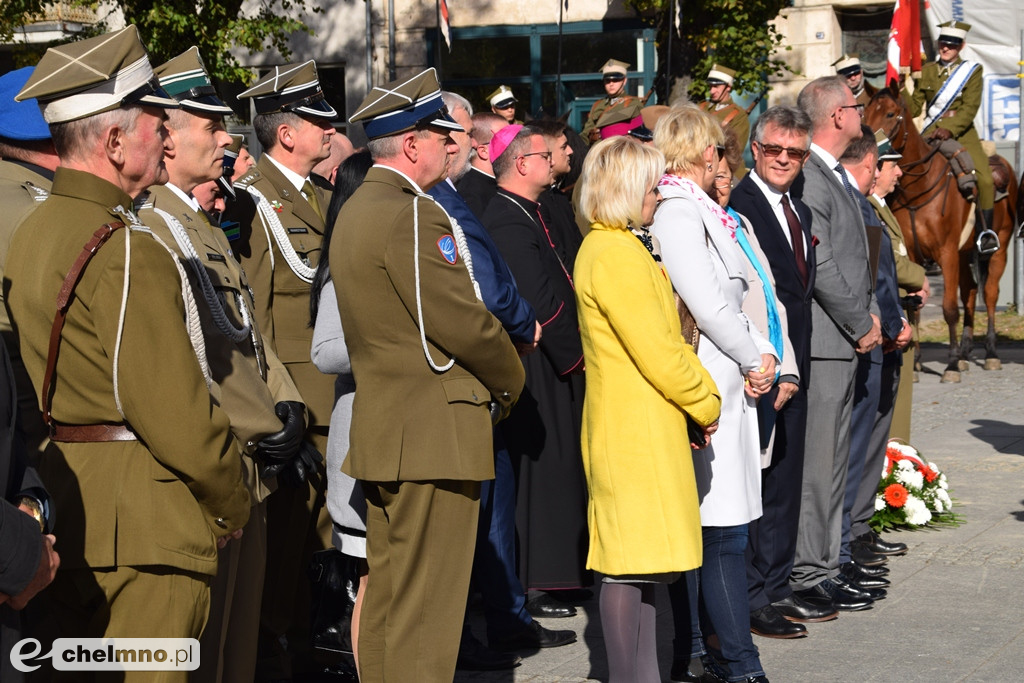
column 642, row 380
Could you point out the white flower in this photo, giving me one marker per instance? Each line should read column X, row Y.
column 936, row 504
column 905, row 449
column 940, row 494
column 879, row 503
column 910, row 478
column 905, row 465
column 943, row 484
column 916, row 511
column 934, row 467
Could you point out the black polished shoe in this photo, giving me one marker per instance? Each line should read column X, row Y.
column 546, row 607
column 475, row 656
column 767, row 622
column 864, row 580
column 703, row 670
column 795, row 608
column 850, row 586
column 880, row 570
column 865, row 556
column 755, row 679
column 876, row 544
column 533, row 637
column 826, row 593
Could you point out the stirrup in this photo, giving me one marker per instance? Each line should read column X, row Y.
column 991, row 238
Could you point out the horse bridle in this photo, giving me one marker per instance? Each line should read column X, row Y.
column 889, row 134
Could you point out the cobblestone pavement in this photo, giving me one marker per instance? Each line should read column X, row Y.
column 955, row 610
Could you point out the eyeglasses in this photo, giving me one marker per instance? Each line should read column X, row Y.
column 723, row 181
column 546, row 155
column 772, row 151
column 858, row 107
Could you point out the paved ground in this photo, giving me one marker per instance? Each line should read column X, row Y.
column 955, row 611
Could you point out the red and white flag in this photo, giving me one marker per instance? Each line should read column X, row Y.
column 446, row 28
column 904, row 48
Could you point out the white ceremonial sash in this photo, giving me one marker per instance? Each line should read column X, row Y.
column 949, row 90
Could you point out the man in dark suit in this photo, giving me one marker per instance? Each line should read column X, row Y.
column 428, row 358
column 861, row 162
column 782, row 224
column 844, row 316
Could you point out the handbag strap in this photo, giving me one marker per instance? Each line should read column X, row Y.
column 67, row 289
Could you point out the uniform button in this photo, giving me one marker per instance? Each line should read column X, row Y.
column 506, row 396
column 221, row 523
column 474, row 397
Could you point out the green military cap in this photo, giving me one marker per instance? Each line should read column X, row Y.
column 404, row 104
column 953, row 31
column 614, row 67
column 502, row 97
column 721, row 74
column 95, row 75
column 847, row 65
column 185, row 79
column 886, row 152
column 291, row 88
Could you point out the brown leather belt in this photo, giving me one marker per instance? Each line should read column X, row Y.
column 91, row 433
column 948, row 114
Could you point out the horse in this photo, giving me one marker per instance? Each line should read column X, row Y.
column 932, row 214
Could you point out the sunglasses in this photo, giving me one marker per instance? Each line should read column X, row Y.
column 772, row 151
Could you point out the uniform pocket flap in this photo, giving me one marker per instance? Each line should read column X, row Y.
column 293, row 350
column 465, row 390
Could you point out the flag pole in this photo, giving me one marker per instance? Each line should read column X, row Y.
column 668, row 49
column 440, row 39
column 558, row 78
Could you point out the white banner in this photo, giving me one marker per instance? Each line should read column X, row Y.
column 994, row 42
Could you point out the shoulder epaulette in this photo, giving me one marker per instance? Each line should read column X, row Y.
column 251, row 176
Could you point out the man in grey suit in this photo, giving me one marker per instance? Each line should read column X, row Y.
column 845, row 322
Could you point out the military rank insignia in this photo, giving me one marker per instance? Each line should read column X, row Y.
column 446, row 245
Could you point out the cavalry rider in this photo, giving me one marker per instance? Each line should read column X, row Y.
column 729, row 114
column 849, row 67
column 949, row 93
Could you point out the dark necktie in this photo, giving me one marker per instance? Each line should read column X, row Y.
column 797, row 236
column 846, row 183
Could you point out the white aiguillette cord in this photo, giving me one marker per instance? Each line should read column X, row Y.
column 460, row 242
column 272, row 224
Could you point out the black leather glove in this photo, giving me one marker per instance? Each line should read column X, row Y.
column 281, row 447
column 302, row 467
column 941, row 134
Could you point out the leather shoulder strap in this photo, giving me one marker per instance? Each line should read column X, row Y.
column 63, row 302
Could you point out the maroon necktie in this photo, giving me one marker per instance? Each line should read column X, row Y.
column 797, row 237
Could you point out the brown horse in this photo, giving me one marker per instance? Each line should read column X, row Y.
column 932, row 213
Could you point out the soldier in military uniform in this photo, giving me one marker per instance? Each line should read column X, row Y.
column 141, row 462
column 617, row 106
column 27, row 163
column 428, row 358
column 720, row 105
column 280, row 215
column 249, row 382
column 503, row 103
column 948, row 93
column 849, row 67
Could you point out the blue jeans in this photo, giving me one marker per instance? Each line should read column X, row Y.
column 723, row 587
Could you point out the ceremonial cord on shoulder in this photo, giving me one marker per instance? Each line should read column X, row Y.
column 460, row 242
column 192, row 322
column 272, row 225
column 220, row 317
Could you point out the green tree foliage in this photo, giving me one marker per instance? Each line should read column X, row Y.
column 734, row 33
column 169, row 27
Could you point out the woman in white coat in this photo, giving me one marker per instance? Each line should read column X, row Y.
column 709, row 272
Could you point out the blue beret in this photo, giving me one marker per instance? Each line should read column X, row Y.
column 20, row 120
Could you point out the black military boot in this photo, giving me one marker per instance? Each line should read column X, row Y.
column 988, row 240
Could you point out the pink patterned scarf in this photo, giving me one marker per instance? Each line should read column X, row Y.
column 728, row 222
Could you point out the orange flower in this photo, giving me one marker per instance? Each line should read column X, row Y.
column 929, row 474
column 896, row 495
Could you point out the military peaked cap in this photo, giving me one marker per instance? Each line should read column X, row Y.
column 402, row 105
column 293, row 88
column 847, row 65
column 95, row 75
column 185, row 79
column 502, row 97
column 886, row 152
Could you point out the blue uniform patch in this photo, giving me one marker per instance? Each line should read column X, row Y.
column 446, row 245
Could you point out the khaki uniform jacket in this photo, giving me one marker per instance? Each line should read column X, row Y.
column 21, row 191
column 248, row 378
column 282, row 299
column 410, row 423
column 964, row 106
column 165, row 498
column 732, row 115
column 608, row 105
column 909, row 275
